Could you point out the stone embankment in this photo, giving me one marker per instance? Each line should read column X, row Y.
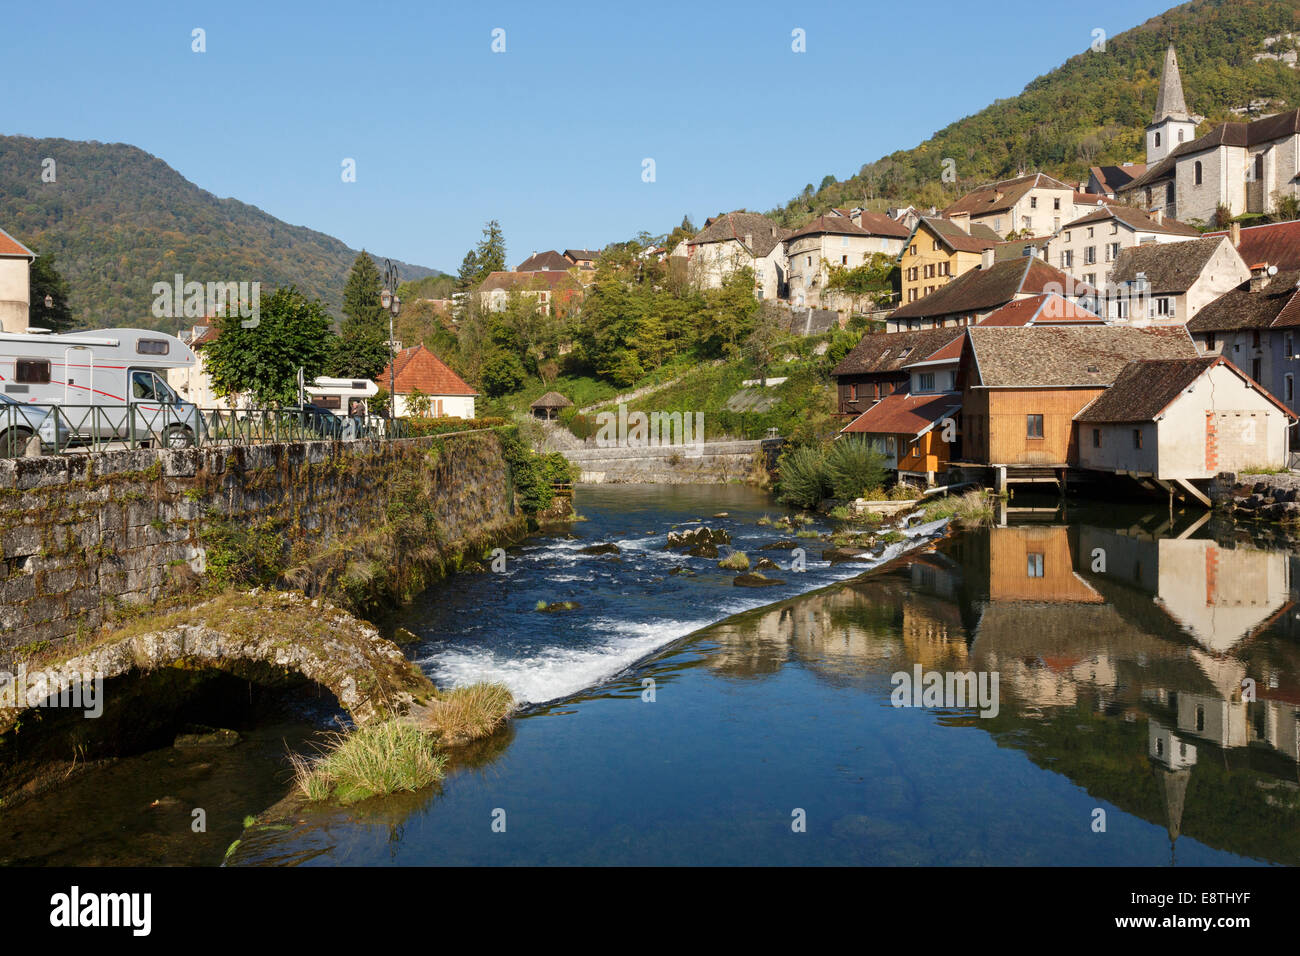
column 1267, row 497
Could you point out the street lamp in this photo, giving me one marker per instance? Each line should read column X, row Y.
column 392, row 305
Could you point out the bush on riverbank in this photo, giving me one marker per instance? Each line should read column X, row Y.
column 467, row 713
column 375, row 759
column 848, row 468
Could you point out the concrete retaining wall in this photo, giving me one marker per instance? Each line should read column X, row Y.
column 708, row 463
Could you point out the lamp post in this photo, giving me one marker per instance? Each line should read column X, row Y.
column 392, row 305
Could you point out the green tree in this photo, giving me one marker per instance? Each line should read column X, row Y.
column 46, row 281
column 503, row 373
column 362, row 349
column 490, row 253
column 262, row 362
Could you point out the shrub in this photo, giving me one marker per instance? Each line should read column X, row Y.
column 802, row 481
column 852, row 466
column 971, row 508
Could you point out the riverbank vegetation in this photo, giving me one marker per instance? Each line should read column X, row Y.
column 374, row 760
column 845, row 469
column 972, row 508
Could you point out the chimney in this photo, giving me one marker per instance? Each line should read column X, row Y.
column 1261, row 275
column 1234, row 233
column 749, row 240
column 986, row 258
column 1159, row 217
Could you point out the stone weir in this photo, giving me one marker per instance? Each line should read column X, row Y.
column 84, row 537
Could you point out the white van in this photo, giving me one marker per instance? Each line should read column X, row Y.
column 109, row 385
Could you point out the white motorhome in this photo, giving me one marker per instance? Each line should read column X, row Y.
column 338, row 394
column 107, row 385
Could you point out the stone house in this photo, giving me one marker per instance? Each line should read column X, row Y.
column 1088, row 247
column 1036, row 204
column 1176, row 420
column 736, row 241
column 1169, row 283
column 835, row 241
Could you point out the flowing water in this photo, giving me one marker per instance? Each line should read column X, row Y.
column 1148, row 693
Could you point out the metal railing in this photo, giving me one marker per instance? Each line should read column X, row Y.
column 74, row 428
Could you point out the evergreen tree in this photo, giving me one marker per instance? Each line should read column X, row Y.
column 490, row 253
column 46, row 281
column 361, row 349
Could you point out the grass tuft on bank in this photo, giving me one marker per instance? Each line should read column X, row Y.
column 373, row 760
column 972, row 508
column 467, row 713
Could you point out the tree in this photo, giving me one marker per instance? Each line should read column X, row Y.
column 362, row 349
column 467, row 276
column 263, row 362
column 503, row 373
column 46, row 280
column 490, row 253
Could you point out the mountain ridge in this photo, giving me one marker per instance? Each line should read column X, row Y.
column 117, row 219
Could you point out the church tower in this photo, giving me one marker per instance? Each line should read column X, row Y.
column 1172, row 125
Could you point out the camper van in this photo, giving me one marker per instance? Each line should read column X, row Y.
column 338, row 394
column 109, row 385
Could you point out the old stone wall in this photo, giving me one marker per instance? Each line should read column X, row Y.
column 83, row 535
column 706, row 463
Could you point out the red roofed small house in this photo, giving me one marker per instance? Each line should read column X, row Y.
column 15, row 283
column 418, row 369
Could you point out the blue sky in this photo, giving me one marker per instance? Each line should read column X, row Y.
column 547, row 137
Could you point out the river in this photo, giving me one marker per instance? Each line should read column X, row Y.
column 677, row 719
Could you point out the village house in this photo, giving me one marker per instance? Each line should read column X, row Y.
column 1035, row 204
column 938, row 251
column 548, row 261
column 421, row 377
column 1088, row 247
column 835, row 241
column 549, row 288
column 1173, row 421
column 1257, row 327
column 582, row 258
column 194, row 384
column 915, row 428
column 1022, row 387
column 971, row 297
column 15, row 283
column 1169, row 283
column 1273, row 244
column 735, row 241
column 1108, row 180
column 1243, row 166
column 876, row 367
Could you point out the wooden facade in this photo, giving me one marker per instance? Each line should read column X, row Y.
column 996, row 426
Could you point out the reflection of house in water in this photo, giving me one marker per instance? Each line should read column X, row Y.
column 1172, row 760
column 1218, row 595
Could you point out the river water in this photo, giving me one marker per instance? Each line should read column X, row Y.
column 1148, row 690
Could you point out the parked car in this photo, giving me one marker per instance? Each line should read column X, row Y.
column 19, row 422
column 320, row 421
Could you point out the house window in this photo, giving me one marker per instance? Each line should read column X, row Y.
column 1056, row 203
column 913, row 249
column 935, row 245
column 1200, row 173
column 1254, row 369
column 32, row 371
column 1163, row 306
column 807, row 260
column 1169, row 195
column 844, row 260
column 1033, row 202
column 1090, row 232
column 1033, row 426
column 997, row 224
column 1254, row 338
column 1067, row 259
column 1096, row 438
column 927, row 381
column 1209, row 341
column 1090, row 255
column 1290, row 388
column 1157, row 140
column 1289, row 346
column 853, row 393
column 1137, row 438
column 1035, row 565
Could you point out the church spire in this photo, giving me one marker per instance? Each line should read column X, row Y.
column 1170, row 104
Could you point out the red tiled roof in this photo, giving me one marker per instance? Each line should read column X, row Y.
column 9, row 247
column 544, row 261
column 878, row 224
column 904, row 414
column 417, row 367
column 1277, row 243
column 1041, row 309
column 998, row 197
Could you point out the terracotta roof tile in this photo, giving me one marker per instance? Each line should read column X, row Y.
column 417, row 367
column 890, row 351
column 1277, row 243
column 904, row 414
column 9, row 246
column 1041, row 309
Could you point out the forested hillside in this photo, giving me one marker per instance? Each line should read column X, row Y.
column 1091, row 110
column 117, row 220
